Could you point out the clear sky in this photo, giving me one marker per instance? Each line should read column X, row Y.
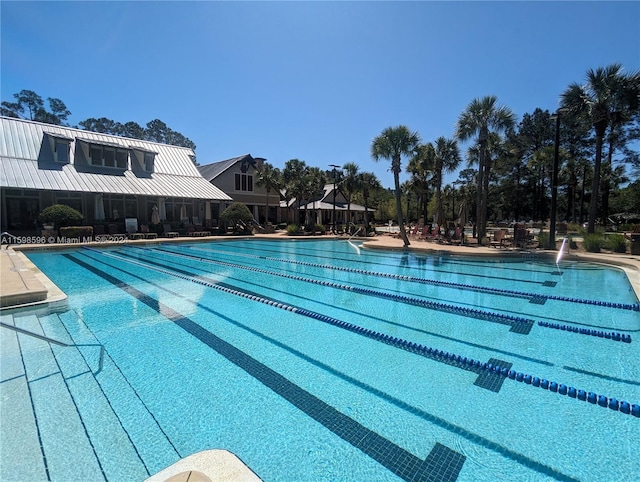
column 316, row 81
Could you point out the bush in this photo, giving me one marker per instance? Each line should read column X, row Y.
column 593, row 242
column 238, row 216
column 543, row 239
column 77, row 232
column 315, row 228
column 60, row 215
column 616, row 243
column 293, row 229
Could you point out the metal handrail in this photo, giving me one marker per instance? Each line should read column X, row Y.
column 6, row 233
column 56, row 342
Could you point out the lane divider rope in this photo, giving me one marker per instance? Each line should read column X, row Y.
column 448, row 284
column 409, row 346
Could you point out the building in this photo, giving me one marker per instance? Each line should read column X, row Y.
column 107, row 178
column 237, row 177
column 321, row 210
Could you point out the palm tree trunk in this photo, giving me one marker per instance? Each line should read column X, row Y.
column 479, row 217
column 595, row 186
column 396, row 180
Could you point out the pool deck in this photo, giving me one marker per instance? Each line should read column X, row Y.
column 23, row 285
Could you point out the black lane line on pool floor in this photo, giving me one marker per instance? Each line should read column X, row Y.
column 396, row 459
column 472, row 437
column 422, row 350
column 446, row 284
column 402, row 344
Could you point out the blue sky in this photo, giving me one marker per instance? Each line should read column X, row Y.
column 315, row 81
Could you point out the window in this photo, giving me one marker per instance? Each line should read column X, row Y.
column 108, row 156
column 148, row 161
column 244, row 182
column 122, row 156
column 62, row 151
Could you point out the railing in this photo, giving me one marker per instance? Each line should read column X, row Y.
column 56, row 342
column 9, row 235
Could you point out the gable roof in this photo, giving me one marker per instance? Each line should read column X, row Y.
column 25, row 166
column 213, row 170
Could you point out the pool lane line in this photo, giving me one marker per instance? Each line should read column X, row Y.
column 375, row 259
column 519, row 322
column 394, row 458
column 518, row 325
column 416, row 348
column 442, row 423
column 609, row 335
column 447, row 284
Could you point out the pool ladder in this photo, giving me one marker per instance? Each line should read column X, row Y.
column 56, row 342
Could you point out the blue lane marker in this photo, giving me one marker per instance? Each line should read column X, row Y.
column 404, row 464
column 422, row 350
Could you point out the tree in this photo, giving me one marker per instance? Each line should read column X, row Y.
column 270, row 178
column 478, row 119
column 447, row 159
column 28, row 100
column 311, row 186
column 608, row 94
column 238, row 216
column 369, row 182
column 393, row 143
column 291, row 180
column 420, row 167
column 351, row 183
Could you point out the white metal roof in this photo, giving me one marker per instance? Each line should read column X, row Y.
column 22, row 165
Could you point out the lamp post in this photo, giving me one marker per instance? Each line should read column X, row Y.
column 554, row 182
column 334, row 196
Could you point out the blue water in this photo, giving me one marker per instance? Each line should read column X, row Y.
column 196, row 358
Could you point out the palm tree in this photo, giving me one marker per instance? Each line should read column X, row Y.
column 351, row 183
column 291, row 180
column 393, row 143
column 447, row 159
column 480, row 116
column 607, row 99
column 270, row 178
column 420, row 167
column 311, row 185
column 368, row 181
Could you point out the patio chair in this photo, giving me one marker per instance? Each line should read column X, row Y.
column 144, row 230
column 168, row 233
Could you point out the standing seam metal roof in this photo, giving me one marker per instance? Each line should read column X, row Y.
column 22, row 165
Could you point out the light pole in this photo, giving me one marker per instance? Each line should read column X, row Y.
column 334, row 196
column 554, row 182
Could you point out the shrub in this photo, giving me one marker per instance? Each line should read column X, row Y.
column 543, row 239
column 616, row 243
column 60, row 215
column 77, row 232
column 593, row 243
column 238, row 216
column 293, row 229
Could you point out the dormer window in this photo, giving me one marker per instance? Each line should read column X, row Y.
column 108, row 156
column 61, row 151
column 60, row 145
column 149, row 158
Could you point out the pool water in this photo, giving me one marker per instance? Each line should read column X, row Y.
column 320, row 360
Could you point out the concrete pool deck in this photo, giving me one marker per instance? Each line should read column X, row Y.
column 23, row 285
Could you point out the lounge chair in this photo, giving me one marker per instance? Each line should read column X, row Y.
column 144, row 230
column 168, row 233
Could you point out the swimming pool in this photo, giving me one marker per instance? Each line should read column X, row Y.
column 319, row 360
